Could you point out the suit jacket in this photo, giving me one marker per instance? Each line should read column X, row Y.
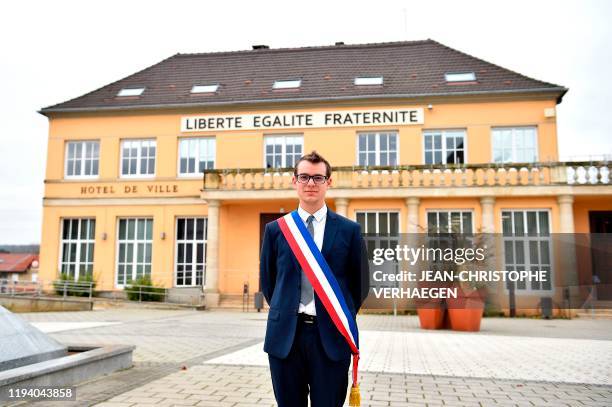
column 345, row 252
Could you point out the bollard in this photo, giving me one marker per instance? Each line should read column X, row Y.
column 259, row 298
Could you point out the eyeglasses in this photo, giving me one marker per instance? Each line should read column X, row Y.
column 317, row 179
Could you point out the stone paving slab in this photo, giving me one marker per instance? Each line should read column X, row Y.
column 240, row 386
column 467, row 355
column 50, row 327
column 171, row 337
column 397, row 350
column 103, row 388
column 108, row 315
column 577, row 328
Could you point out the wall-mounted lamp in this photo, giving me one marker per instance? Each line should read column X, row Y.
column 162, row 235
column 104, row 235
column 282, row 210
column 429, row 106
column 549, row 112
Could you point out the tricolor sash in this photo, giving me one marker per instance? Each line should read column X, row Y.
column 324, row 284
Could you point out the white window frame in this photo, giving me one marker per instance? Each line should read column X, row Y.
column 135, row 241
column 369, row 80
column 138, row 158
column 443, row 133
column 198, row 155
column 448, row 212
column 287, row 84
column 194, row 242
column 78, row 243
column 211, row 88
column 389, row 239
column 460, row 77
column 377, row 150
column 284, row 138
column 378, row 212
column 525, row 238
column 131, row 92
column 514, row 147
column 83, row 158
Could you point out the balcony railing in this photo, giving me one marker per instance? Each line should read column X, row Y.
column 421, row 176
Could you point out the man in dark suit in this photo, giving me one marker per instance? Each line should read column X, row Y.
column 306, row 351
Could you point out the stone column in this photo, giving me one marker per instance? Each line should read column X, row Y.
column 412, row 239
column 566, row 246
column 212, row 254
column 487, row 206
column 342, row 206
column 412, row 218
column 566, row 213
column 487, row 240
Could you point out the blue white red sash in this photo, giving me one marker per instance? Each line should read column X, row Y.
column 322, row 279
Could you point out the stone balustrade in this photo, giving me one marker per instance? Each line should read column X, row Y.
column 421, row 176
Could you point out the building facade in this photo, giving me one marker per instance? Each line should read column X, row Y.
column 18, row 267
column 173, row 172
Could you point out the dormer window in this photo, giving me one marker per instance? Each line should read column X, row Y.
column 131, row 92
column 288, row 84
column 204, row 88
column 460, row 77
column 368, row 80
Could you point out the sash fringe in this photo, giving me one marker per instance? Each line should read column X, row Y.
column 355, row 395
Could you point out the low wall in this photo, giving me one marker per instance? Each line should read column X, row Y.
column 43, row 304
column 90, row 362
column 186, row 295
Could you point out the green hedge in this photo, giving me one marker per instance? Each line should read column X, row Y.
column 149, row 293
column 75, row 291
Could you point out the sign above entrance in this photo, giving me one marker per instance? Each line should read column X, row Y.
column 296, row 120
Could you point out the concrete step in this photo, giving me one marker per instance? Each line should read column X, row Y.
column 106, row 303
column 235, row 302
column 595, row 314
column 233, row 299
column 604, row 305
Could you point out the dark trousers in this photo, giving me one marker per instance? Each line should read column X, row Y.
column 307, row 368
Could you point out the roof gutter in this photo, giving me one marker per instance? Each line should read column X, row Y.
column 560, row 90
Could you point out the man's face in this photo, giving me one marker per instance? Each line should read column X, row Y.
column 311, row 193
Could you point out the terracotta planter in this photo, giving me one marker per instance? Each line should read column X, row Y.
column 431, row 315
column 465, row 311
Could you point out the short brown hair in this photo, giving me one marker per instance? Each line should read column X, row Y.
column 314, row 158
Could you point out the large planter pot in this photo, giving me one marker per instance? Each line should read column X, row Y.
column 465, row 311
column 431, row 315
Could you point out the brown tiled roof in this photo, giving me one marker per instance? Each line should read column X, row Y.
column 410, row 69
column 16, row 262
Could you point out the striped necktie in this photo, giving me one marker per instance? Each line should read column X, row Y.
column 306, row 293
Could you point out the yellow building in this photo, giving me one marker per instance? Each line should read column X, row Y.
column 173, row 171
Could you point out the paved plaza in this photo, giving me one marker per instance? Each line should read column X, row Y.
column 195, row 358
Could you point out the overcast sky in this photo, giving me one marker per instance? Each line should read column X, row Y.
column 51, row 51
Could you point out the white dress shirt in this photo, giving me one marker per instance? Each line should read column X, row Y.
column 319, row 229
